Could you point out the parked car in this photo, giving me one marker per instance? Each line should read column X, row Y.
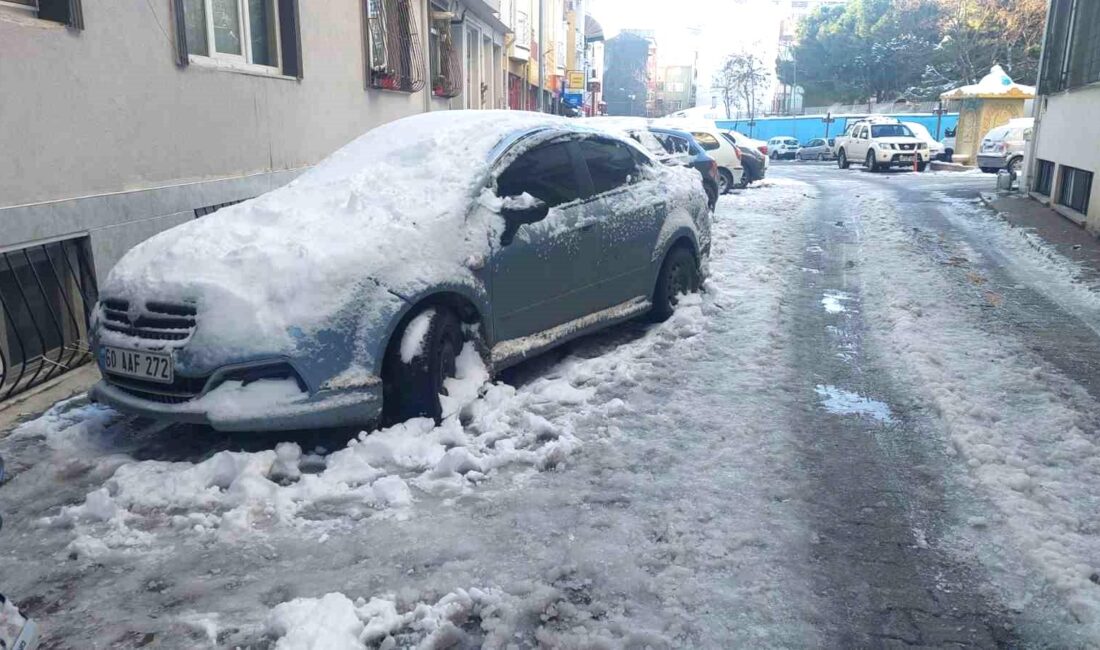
column 948, row 143
column 745, row 141
column 935, row 149
column 880, row 143
column 361, row 288
column 669, row 146
column 782, row 148
column 710, row 138
column 816, row 149
column 754, row 162
column 1003, row 147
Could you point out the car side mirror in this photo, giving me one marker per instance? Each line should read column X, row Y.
column 518, row 211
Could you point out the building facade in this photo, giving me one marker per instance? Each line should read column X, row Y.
column 122, row 119
column 626, row 79
column 1065, row 148
column 675, row 89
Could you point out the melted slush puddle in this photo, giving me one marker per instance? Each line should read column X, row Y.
column 842, row 402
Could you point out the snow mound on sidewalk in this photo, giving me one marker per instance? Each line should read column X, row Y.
column 555, row 616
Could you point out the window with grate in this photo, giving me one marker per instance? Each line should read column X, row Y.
column 47, row 293
column 1076, row 188
column 1044, row 177
column 446, row 60
column 211, row 209
column 395, row 60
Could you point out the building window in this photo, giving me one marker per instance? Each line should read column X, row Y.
column 1071, row 52
column 251, row 32
column 1076, row 188
column 66, row 12
column 1044, row 177
column 47, row 293
column 393, row 46
column 446, row 60
column 241, row 30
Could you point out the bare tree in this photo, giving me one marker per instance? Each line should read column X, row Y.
column 740, row 79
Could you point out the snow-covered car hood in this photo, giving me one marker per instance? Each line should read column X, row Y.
column 387, row 210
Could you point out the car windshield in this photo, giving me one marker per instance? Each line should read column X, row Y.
column 890, row 131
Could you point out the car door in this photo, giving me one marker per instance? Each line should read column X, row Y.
column 858, row 147
column 543, row 270
column 632, row 206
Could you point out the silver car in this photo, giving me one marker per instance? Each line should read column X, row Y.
column 816, row 149
column 361, row 288
column 1003, row 147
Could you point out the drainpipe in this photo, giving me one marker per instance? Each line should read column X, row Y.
column 542, row 57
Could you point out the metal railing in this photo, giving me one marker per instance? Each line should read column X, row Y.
column 47, row 293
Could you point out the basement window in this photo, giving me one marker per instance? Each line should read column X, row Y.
column 1044, row 177
column 1076, row 188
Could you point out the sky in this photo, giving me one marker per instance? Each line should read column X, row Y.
column 713, row 28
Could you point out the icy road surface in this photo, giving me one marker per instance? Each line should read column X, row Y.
column 877, row 427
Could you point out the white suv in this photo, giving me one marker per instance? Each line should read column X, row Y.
column 881, row 143
column 782, row 147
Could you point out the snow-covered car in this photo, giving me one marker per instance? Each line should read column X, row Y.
column 935, row 148
column 783, row 147
column 880, row 143
column 361, row 288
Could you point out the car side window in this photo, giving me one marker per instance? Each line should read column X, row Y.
column 611, row 164
column 707, row 141
column 546, row 173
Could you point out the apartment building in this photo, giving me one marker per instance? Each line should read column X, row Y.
column 1065, row 148
column 119, row 120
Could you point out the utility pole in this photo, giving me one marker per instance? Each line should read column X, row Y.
column 542, row 56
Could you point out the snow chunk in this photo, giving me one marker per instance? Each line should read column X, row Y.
column 412, row 342
column 326, row 623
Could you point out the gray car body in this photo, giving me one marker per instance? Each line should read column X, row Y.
column 545, row 288
column 816, row 149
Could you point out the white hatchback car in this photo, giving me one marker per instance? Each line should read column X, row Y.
column 709, row 137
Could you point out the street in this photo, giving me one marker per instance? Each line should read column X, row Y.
column 875, row 427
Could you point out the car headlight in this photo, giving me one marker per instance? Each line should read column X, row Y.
column 888, row 145
column 922, row 145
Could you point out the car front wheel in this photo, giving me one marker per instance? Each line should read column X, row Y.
column 679, row 276
column 872, row 163
column 421, row 361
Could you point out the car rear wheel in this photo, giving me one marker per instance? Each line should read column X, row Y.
column 422, row 359
column 842, row 160
column 679, row 275
column 725, row 181
column 989, row 170
column 821, row 157
column 1015, row 164
column 871, row 163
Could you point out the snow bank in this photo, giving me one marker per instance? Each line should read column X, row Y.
column 1020, row 427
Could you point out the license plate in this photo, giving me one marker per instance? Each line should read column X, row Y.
column 151, row 366
column 906, row 158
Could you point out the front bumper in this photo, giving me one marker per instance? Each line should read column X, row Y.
column 996, row 161
column 894, row 157
column 254, row 407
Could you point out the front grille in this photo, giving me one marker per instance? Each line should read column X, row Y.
column 155, row 321
column 908, row 147
column 182, row 389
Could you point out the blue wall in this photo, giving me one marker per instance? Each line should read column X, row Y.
column 808, row 127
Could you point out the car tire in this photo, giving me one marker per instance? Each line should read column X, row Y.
column 774, row 156
column 921, row 166
column 872, row 162
column 725, row 181
column 989, row 170
column 842, row 160
column 711, row 189
column 412, row 389
column 1015, row 164
column 679, row 274
column 821, row 157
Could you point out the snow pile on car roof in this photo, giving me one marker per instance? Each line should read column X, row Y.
column 389, row 206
